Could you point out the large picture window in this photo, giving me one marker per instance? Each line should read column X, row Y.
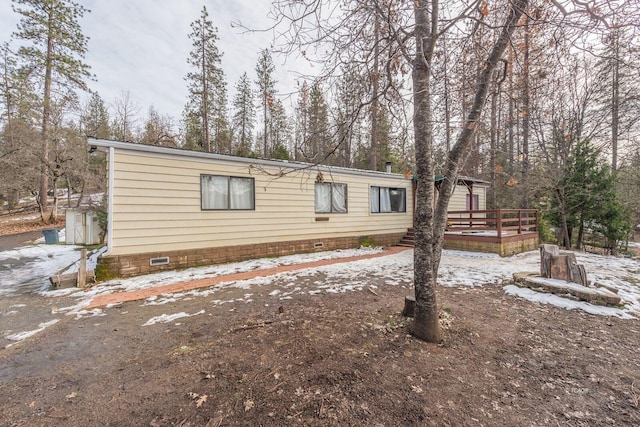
column 219, row 192
column 386, row 199
column 331, row 197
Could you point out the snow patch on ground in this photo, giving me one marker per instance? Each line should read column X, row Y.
column 555, row 300
column 31, row 266
column 24, row 335
column 166, row 318
column 457, row 269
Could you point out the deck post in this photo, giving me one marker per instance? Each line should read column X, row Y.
column 519, row 221
column 499, row 221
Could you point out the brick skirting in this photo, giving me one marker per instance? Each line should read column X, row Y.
column 502, row 248
column 137, row 264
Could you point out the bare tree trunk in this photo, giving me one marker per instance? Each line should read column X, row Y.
column 68, row 192
column 425, row 325
column 580, row 235
column 447, row 110
column 54, row 208
column 82, row 190
column 465, row 138
column 493, row 142
column 615, row 103
column 526, row 101
column 375, row 77
column 511, row 123
column 430, row 224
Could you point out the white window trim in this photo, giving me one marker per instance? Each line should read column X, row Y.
column 380, row 187
column 229, row 195
column 332, row 186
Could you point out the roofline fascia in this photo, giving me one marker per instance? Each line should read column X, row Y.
column 106, row 144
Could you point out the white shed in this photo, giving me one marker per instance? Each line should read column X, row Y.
column 81, row 227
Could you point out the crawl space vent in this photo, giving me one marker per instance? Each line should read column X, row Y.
column 159, row 261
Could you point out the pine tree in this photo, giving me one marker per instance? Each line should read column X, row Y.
column 318, row 140
column 349, row 114
column 19, row 159
column 585, row 196
column 243, row 117
column 301, row 128
column 279, row 131
column 95, row 118
column 57, row 48
column 266, row 92
column 617, row 72
column 206, row 106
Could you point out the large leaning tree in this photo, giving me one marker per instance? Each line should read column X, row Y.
column 412, row 33
column 54, row 49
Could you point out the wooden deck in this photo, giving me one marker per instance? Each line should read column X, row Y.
column 502, row 231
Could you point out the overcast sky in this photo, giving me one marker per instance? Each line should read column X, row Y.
column 141, row 46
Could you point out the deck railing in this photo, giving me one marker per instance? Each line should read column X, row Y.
column 499, row 222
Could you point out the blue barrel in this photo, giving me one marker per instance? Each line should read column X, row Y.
column 50, row 236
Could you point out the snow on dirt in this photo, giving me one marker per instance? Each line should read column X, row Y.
column 28, row 268
column 24, row 335
column 166, row 318
column 457, row 269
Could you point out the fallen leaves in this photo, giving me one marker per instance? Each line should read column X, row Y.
column 199, row 398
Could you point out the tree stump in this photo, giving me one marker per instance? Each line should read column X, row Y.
column 409, row 306
column 546, row 252
column 554, row 265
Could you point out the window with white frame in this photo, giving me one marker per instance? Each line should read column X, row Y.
column 219, row 192
column 388, row 199
column 331, row 197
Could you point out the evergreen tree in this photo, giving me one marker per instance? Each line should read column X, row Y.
column 617, row 72
column 266, row 92
column 318, row 139
column 19, row 158
column 349, row 114
column 279, row 130
column 95, row 118
column 585, row 197
column 301, row 127
column 206, row 106
column 192, row 129
column 243, row 117
column 56, row 49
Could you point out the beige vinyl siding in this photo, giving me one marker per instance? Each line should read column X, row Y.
column 458, row 200
column 156, row 205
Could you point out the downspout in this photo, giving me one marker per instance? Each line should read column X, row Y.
column 110, row 184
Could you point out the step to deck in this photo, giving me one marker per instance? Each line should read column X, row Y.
column 408, row 241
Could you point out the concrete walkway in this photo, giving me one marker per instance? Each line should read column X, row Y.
column 119, row 297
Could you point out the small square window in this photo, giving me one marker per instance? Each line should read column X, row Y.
column 330, row 197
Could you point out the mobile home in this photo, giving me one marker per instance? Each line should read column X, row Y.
column 171, row 208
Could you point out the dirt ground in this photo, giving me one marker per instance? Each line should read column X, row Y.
column 326, row 359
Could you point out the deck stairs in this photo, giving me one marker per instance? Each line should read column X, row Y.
column 408, row 240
